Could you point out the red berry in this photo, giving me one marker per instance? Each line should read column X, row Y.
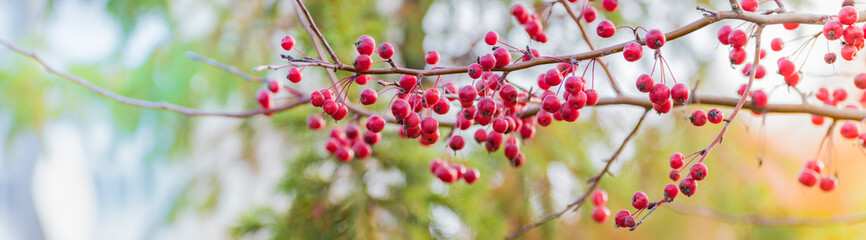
column 723, row 34
column 749, row 5
column 848, row 15
column 591, row 97
column 577, row 101
column 471, row 175
column 698, row 171
column 600, row 214
column 287, row 43
column 793, row 79
column 677, row 160
column 698, row 118
column 645, row 83
column 363, row 63
column 368, row 96
column 850, row 129
column 671, row 192
column 759, row 99
column 386, row 51
column 553, row 77
column 502, row 56
column 487, row 61
column 791, row 26
column 814, row 164
column 341, row 113
column 446, row 174
column 830, row 58
column 852, row 35
column 431, row 96
column 274, row 86
column 407, row 82
column 632, row 51
column 738, row 38
column 828, row 183
column 786, row 67
column 715, row 116
column 610, row 5
column 737, row 56
column 574, row 84
column 808, row 177
column 365, row 45
column 840, row 95
column 519, row 12
column 315, row 122
column 664, row 107
column 590, row 14
column 550, row 103
column 848, row 52
column 639, row 200
column 660, row 93
column 518, row 161
column 511, row 150
column 533, row 27
column 777, row 44
column 620, row 217
column 544, row 118
column 818, row 120
column 400, row 109
column 688, row 186
column 630, row 221
column 480, row 135
column 654, row 39
column 605, row 29
column 832, row 30
column 599, row 197
column 295, row 75
column 491, row 38
column 432, row 57
column 375, row 123
column 361, row 150
column 860, row 81
column 680, row 93
column 823, row 94
column 344, row 154
column 441, row 107
column 674, row 175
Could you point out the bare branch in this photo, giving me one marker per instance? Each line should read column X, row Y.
column 595, row 181
column 149, row 104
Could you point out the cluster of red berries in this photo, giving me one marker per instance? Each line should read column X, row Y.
column 453, row 172
column 531, row 23
column 697, row 172
column 810, row 175
column 349, row 143
column 600, row 213
column 640, row 201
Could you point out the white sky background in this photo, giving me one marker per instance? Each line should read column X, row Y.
column 69, row 172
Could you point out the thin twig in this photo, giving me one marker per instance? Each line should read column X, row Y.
column 149, row 104
column 238, row 72
column 595, row 181
column 312, row 26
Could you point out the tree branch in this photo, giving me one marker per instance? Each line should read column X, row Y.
column 770, row 221
column 595, row 181
column 149, row 104
column 236, row 71
column 613, row 83
column 311, row 25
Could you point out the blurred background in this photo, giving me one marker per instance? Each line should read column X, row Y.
column 76, row 165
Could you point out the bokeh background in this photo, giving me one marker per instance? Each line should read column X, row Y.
column 76, row 165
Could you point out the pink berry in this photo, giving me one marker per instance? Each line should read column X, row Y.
column 848, row 15
column 632, row 51
column 832, row 30
column 655, row 39
column 852, row 34
column 372, row 137
column 791, row 26
column 793, row 79
column 698, row 171
column 361, row 150
column 777, row 44
column 471, row 175
column 362, row 79
column 749, row 5
column 818, row 120
column 519, row 12
column 848, row 52
column 664, row 107
column 386, row 51
column 674, row 175
column 671, row 192
column 553, row 77
column 698, row 118
column 630, row 221
column 574, row 84
column 491, row 38
column 680, row 93
column 828, row 183
column 786, row 67
column 591, row 97
column 375, row 123
column 400, row 109
column 715, row 116
column 441, row 107
column 599, row 197
column 823, row 94
column 814, row 164
column 645, row 83
column 295, row 75
column 808, row 177
column 860, row 81
column 610, row 5
column 363, row 63
column 688, row 186
column 738, row 38
column 677, row 160
column 850, row 129
column 759, row 99
column 487, row 61
column 368, row 96
column 590, row 14
column 315, row 122
column 737, row 56
column 606, row 29
column 660, row 93
column 287, row 43
column 620, row 217
column 432, row 57
column 365, row 45
column 344, row 154
column 723, row 34
column 407, row 82
column 600, row 214
column 639, row 200
column 502, row 56
column 840, row 95
column 274, row 86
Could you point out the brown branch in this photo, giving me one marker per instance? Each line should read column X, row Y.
column 144, row 103
column 595, row 181
column 613, row 83
column 770, row 221
column 238, row 72
column 311, row 25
